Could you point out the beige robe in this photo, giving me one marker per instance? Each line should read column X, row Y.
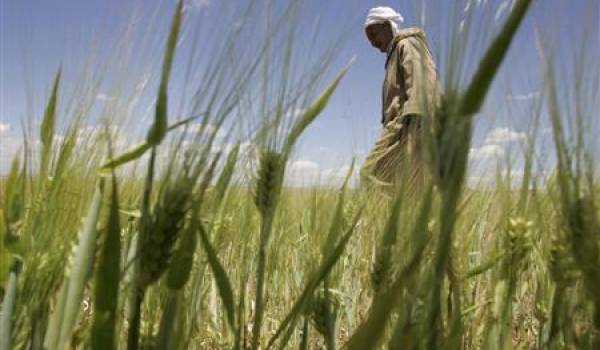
column 410, row 92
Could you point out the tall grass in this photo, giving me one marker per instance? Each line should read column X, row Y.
column 208, row 248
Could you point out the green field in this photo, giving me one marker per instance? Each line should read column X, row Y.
column 179, row 243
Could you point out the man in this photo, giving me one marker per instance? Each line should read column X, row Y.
column 410, row 93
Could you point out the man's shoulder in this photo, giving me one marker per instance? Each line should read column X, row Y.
column 411, row 39
column 408, row 33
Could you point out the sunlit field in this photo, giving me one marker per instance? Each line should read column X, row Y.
column 186, row 232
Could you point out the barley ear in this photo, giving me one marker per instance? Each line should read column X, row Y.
column 183, row 259
column 48, row 126
column 14, row 204
column 227, row 172
column 269, row 182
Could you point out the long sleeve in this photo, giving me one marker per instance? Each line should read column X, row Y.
column 420, row 78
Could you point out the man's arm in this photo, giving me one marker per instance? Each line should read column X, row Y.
column 420, row 79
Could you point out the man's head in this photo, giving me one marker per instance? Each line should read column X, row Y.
column 381, row 26
column 380, row 35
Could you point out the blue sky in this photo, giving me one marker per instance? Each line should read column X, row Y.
column 39, row 36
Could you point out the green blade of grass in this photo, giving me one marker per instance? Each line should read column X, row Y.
column 490, row 63
column 132, row 154
column 52, row 332
column 137, row 290
column 486, row 265
column 369, row 334
column 181, row 266
column 158, row 130
column 170, row 334
column 322, row 272
column 221, row 277
column 382, row 266
column 80, row 271
column 183, row 122
column 9, row 304
column 106, row 294
column 135, row 152
column 336, row 225
column 312, row 112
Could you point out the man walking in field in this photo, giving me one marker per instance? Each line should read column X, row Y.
column 410, row 93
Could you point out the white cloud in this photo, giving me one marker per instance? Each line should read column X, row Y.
column 208, row 130
column 502, row 8
column 304, row 170
column 4, row 128
column 224, row 148
column 90, row 134
column 495, row 147
column 198, row 5
column 336, row 176
column 246, row 148
column 303, row 173
column 9, row 147
column 515, row 175
column 496, row 157
column 486, row 152
column 308, row 173
column 304, row 165
column 87, row 136
column 104, row 97
column 481, row 180
column 490, row 157
column 488, row 178
column 503, row 135
column 525, row 97
column 296, row 112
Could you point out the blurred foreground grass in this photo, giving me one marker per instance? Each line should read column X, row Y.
column 192, row 255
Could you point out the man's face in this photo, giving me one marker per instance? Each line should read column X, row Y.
column 380, row 35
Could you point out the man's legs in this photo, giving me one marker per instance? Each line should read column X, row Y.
column 396, row 156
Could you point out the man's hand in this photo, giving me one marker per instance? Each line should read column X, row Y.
column 412, row 120
column 392, row 112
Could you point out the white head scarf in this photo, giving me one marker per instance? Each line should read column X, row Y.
column 384, row 14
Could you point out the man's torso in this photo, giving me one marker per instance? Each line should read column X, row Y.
column 409, row 48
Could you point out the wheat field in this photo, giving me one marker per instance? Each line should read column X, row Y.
column 177, row 242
